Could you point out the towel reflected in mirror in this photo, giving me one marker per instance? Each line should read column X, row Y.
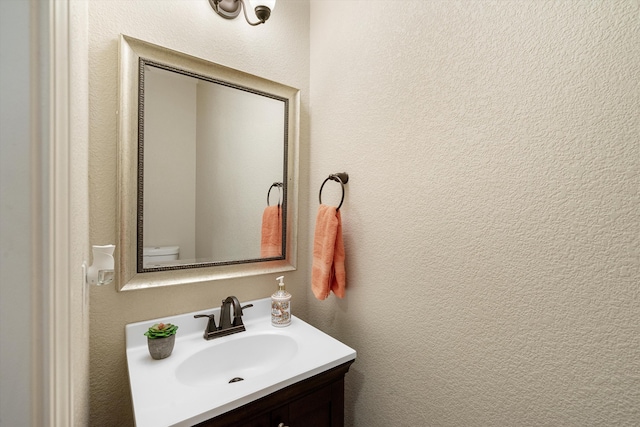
column 271, row 241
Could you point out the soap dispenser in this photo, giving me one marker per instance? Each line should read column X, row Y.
column 281, row 306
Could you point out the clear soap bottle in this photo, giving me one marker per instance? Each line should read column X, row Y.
column 281, row 306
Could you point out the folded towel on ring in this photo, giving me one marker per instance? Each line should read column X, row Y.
column 271, row 240
column 327, row 272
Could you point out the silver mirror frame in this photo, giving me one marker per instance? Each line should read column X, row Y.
column 131, row 50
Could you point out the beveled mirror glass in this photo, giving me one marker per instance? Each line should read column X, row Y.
column 204, row 150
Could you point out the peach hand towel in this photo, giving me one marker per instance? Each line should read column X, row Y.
column 327, row 271
column 271, row 241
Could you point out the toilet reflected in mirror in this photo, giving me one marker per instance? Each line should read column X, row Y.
column 160, row 256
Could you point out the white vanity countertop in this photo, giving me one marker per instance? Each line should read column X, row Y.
column 160, row 398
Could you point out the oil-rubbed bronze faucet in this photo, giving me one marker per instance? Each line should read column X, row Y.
column 227, row 326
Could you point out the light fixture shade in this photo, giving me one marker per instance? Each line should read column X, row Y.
column 267, row 3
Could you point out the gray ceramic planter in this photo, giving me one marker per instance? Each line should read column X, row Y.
column 160, row 348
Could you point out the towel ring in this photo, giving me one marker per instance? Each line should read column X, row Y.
column 279, row 186
column 342, row 178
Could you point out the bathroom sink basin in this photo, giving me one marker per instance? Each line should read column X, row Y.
column 206, row 378
column 244, row 358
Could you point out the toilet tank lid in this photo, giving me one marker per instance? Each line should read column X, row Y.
column 160, row 250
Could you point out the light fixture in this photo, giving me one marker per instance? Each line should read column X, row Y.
column 229, row 9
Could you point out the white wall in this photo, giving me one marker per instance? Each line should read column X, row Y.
column 240, row 151
column 277, row 51
column 44, row 220
column 170, row 161
column 491, row 217
column 17, row 204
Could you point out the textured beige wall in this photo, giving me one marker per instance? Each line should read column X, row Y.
column 493, row 251
column 492, row 217
column 277, row 51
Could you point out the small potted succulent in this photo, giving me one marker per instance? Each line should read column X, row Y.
column 160, row 338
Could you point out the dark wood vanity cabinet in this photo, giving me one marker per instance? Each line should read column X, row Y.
column 315, row 402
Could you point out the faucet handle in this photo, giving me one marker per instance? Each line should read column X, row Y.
column 211, row 326
column 237, row 317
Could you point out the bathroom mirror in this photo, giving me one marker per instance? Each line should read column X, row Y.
column 204, row 150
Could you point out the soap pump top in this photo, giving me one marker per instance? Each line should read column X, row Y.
column 281, row 289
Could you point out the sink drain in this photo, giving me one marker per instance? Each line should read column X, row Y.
column 235, row 380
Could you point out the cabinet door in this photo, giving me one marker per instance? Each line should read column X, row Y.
column 259, row 421
column 313, row 410
column 280, row 415
column 262, row 420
